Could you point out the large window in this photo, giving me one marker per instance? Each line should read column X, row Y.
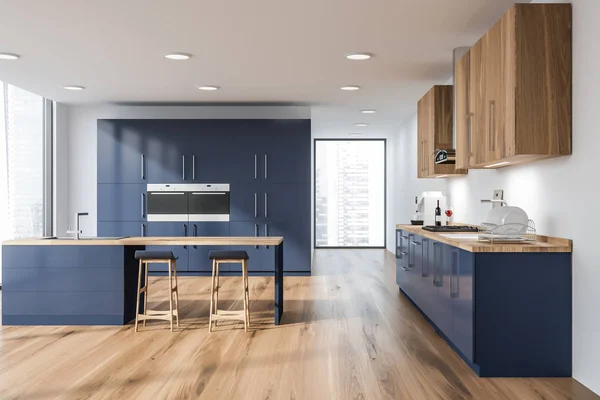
column 24, row 144
column 349, row 193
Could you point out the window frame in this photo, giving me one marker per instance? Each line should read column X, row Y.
column 314, row 189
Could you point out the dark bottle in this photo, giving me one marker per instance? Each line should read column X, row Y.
column 438, row 215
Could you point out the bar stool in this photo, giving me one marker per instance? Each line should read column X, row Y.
column 157, row 257
column 219, row 257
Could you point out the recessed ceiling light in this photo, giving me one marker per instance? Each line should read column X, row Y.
column 359, row 56
column 368, row 111
column 73, row 87
column 361, row 124
column 9, row 56
column 178, row 56
column 355, row 134
column 351, row 87
column 208, row 88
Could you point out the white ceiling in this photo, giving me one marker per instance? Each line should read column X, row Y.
column 272, row 51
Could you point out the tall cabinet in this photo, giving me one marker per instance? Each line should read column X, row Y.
column 266, row 163
column 514, row 89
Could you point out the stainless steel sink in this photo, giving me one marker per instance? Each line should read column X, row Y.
column 87, row 237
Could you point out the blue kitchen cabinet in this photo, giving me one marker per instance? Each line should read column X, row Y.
column 167, row 161
column 403, row 276
column 246, row 202
column 198, row 255
column 415, row 262
column 282, row 165
column 122, row 228
column 121, row 202
column 443, row 315
column 258, row 255
column 226, row 159
column 122, row 152
column 169, row 229
column 462, row 273
column 284, row 201
column 296, row 244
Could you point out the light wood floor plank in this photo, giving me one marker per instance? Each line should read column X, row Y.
column 347, row 334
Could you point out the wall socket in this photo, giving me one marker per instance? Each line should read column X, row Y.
column 498, row 194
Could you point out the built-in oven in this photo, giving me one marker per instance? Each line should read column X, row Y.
column 188, row 202
column 209, row 202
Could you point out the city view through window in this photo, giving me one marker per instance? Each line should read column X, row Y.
column 350, row 193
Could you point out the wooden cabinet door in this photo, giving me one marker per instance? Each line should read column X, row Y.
column 477, row 104
column 423, row 127
column 462, row 115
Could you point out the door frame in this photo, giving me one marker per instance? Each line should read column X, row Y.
column 314, row 189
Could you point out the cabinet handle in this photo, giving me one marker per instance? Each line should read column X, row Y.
column 423, row 155
column 194, row 167
column 143, row 167
column 266, row 234
column 255, row 166
column 255, row 205
column 415, row 243
column 266, row 205
column 142, row 208
column 491, row 144
column 454, row 274
column 185, row 233
column 493, row 105
column 436, row 246
column 143, row 228
column 256, row 233
column 405, row 237
column 266, row 169
column 425, row 274
column 195, row 233
column 183, row 167
column 399, row 245
column 469, row 136
column 404, row 253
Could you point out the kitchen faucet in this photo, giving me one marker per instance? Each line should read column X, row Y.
column 78, row 230
column 502, row 203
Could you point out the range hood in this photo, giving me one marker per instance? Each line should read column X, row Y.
column 448, row 156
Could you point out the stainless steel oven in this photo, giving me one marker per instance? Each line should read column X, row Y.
column 209, row 203
column 188, row 202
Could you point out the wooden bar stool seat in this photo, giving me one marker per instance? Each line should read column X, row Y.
column 157, row 257
column 219, row 257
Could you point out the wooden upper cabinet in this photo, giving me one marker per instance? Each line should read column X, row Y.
column 434, row 131
column 518, row 89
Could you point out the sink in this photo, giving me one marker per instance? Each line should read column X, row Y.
column 87, row 237
column 461, row 236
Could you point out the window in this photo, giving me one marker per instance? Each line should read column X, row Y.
column 350, row 193
column 24, row 175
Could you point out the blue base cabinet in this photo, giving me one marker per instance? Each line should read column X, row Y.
column 266, row 163
column 506, row 314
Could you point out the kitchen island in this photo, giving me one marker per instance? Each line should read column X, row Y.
column 92, row 281
column 505, row 308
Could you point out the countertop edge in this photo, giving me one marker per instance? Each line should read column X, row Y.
column 153, row 241
column 545, row 244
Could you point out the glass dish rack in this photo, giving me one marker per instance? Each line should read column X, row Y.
column 508, row 233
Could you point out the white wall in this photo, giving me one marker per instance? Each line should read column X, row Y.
column 559, row 195
column 406, row 185
column 81, row 155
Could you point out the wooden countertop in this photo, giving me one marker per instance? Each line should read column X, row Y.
column 153, row 241
column 544, row 244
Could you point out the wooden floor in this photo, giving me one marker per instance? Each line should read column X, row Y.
column 347, row 334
